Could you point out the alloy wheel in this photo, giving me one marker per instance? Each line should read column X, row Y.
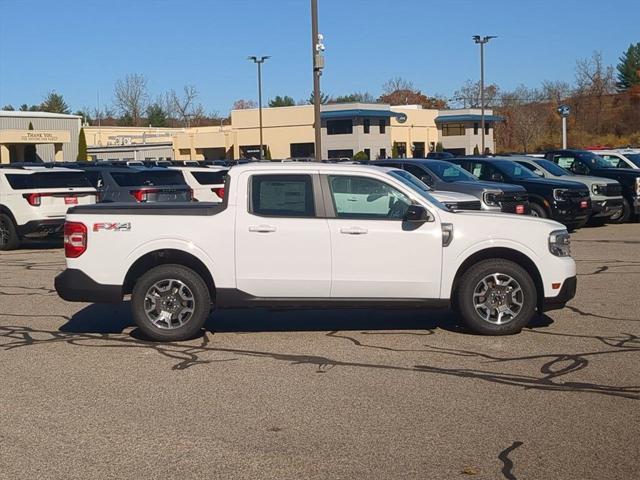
column 498, row 298
column 169, row 304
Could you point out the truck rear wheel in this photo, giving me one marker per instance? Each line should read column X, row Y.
column 496, row 297
column 9, row 239
column 170, row 303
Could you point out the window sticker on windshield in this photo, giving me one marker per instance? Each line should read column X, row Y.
column 565, row 162
column 450, row 172
column 477, row 169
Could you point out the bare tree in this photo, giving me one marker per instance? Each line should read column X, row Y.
column 131, row 97
column 469, row 94
column 185, row 106
column 243, row 104
column 594, row 80
column 395, row 84
column 556, row 90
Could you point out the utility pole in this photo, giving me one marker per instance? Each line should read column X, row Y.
column 259, row 61
column 481, row 41
column 317, row 47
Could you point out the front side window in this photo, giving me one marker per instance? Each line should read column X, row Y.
column 282, row 196
column 367, row 198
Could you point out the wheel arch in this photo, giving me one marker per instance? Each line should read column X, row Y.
column 163, row 257
column 502, row 253
column 540, row 200
column 6, row 211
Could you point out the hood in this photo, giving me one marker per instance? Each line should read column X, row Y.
column 505, row 187
column 617, row 172
column 553, row 183
column 491, row 216
column 590, row 179
column 446, row 196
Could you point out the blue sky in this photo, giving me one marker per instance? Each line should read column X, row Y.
column 81, row 47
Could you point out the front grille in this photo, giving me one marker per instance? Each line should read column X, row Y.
column 577, row 194
column 471, row 205
column 611, row 190
column 510, row 201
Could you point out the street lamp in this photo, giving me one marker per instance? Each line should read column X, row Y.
column 317, row 47
column 481, row 41
column 259, row 61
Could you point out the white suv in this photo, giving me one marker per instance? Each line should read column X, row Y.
column 207, row 183
column 34, row 201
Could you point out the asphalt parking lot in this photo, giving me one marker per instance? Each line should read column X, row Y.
column 323, row 395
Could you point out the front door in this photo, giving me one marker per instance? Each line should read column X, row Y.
column 373, row 252
column 282, row 243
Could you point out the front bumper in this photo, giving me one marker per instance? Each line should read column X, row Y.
column 606, row 208
column 76, row 286
column 569, row 213
column 42, row 227
column 567, row 292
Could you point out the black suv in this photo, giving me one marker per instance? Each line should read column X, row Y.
column 443, row 176
column 582, row 162
column 564, row 201
column 137, row 184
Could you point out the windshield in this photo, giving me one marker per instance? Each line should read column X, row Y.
column 634, row 157
column 449, row 172
column 417, row 186
column 552, row 168
column 513, row 169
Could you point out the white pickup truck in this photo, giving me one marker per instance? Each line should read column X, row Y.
column 319, row 236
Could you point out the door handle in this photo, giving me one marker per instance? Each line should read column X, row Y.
column 354, row 230
column 262, row 228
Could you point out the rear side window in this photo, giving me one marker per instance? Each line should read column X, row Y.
column 148, row 179
column 282, row 195
column 210, row 178
column 48, row 180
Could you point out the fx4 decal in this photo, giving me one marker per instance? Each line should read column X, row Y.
column 112, row 227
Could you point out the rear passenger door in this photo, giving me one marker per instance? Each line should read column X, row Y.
column 282, row 237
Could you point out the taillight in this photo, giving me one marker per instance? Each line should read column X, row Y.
column 33, row 198
column 142, row 195
column 75, row 239
column 520, row 209
column 218, row 191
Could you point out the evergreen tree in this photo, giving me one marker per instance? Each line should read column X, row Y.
column 82, row 147
column 476, row 150
column 54, row 103
column 439, row 147
column 629, row 68
column 285, row 101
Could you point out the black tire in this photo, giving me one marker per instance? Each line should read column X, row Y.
column 471, row 280
column 171, row 333
column 538, row 210
column 625, row 216
column 9, row 239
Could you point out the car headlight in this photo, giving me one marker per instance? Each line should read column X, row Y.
column 598, row 188
column 638, row 186
column 491, row 198
column 560, row 243
column 560, row 193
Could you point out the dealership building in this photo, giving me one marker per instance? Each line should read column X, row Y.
column 377, row 130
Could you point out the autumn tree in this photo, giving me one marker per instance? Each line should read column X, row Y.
column 131, row 98
column 629, row 68
column 284, row 101
column 243, row 104
column 398, row 91
column 594, row 80
column 469, row 95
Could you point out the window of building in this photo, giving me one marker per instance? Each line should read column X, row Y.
column 418, row 150
column 401, row 148
column 367, row 198
column 383, row 125
column 339, row 127
column 367, row 152
column 366, row 125
column 301, row 150
column 383, row 153
column 475, row 128
column 185, row 151
column 486, row 129
column 282, row 195
column 340, row 154
column 452, row 129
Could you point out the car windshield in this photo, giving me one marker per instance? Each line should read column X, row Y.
column 513, row 169
column 448, row 172
column 417, row 186
column 552, row 168
column 634, row 157
column 595, row 161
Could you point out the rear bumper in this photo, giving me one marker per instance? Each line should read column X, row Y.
column 567, row 292
column 76, row 286
column 42, row 227
column 606, row 208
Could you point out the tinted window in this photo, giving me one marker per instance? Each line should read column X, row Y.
column 210, row 178
column 367, row 125
column 419, row 173
column 634, row 157
column 367, row 198
column 512, row 169
column 282, row 195
column 143, row 178
column 449, row 172
column 48, row 180
column 552, row 168
column 339, row 127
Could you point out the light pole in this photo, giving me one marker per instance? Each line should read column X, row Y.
column 317, row 47
column 259, row 61
column 481, row 41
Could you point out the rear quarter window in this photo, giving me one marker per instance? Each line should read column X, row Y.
column 148, row 179
column 210, row 178
column 43, row 180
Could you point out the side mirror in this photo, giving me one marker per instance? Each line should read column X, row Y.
column 417, row 214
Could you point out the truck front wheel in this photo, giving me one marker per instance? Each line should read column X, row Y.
column 496, row 297
column 170, row 303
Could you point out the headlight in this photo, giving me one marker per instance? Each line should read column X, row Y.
column 598, row 188
column 560, row 243
column 560, row 193
column 638, row 186
column 491, row 198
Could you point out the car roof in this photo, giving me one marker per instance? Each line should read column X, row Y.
column 311, row 166
column 29, row 170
